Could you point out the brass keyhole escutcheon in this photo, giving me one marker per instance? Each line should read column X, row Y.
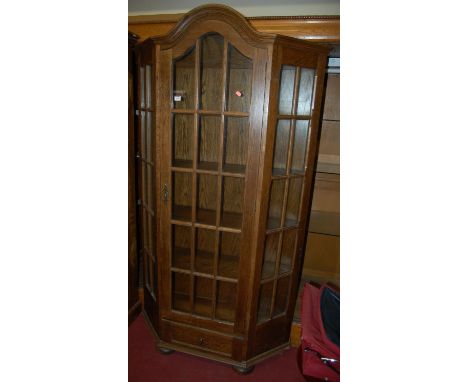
column 201, row 341
column 165, row 193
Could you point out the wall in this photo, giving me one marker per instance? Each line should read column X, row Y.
column 249, row 8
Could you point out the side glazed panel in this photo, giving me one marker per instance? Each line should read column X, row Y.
column 133, row 258
column 146, row 169
column 290, row 159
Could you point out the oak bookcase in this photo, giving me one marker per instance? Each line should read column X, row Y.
column 228, row 128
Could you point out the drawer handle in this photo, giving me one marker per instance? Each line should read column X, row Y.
column 201, row 341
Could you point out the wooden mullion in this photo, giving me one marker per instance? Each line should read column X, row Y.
column 185, row 111
column 288, row 116
column 306, row 156
column 220, row 180
column 293, row 121
column 275, row 278
column 221, row 139
column 234, row 113
column 210, row 172
column 314, row 91
column 284, row 177
column 194, row 175
column 145, row 103
column 195, row 133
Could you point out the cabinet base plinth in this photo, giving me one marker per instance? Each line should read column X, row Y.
column 243, row 370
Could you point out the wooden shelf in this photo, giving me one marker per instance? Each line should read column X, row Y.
column 202, row 307
column 208, row 166
column 278, row 172
column 324, row 222
column 182, row 163
column 228, row 266
column 328, row 164
column 231, row 220
column 181, row 258
column 268, row 269
column 183, row 213
column 205, row 216
column 225, row 312
column 274, row 224
column 204, row 262
column 233, row 168
column 181, row 302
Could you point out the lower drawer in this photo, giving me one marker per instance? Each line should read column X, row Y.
column 201, row 339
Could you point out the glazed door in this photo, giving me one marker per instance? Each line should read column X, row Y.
column 209, row 169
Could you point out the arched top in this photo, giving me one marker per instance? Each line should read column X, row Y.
column 216, row 12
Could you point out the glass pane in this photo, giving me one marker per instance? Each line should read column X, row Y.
column 286, row 94
column 299, row 148
column 147, row 269
column 150, row 234
column 264, row 303
column 182, row 140
column 269, row 255
column 235, row 144
column 184, row 81
column 203, row 296
column 276, row 204
column 294, row 200
column 226, row 296
column 208, row 143
column 211, row 66
column 205, row 250
column 151, row 273
column 149, row 188
column 233, row 202
column 149, row 97
column 280, row 157
column 181, row 292
column 181, row 243
column 287, row 250
column 306, row 87
column 206, row 200
column 281, row 299
column 145, row 230
column 229, row 253
column 142, row 87
column 239, row 81
column 182, row 196
column 143, row 134
column 144, row 183
column 155, row 283
column 149, row 136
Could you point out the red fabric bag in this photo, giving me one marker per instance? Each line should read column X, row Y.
column 319, row 356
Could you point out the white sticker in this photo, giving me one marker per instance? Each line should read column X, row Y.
column 177, row 98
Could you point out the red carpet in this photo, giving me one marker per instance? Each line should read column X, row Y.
column 146, row 364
